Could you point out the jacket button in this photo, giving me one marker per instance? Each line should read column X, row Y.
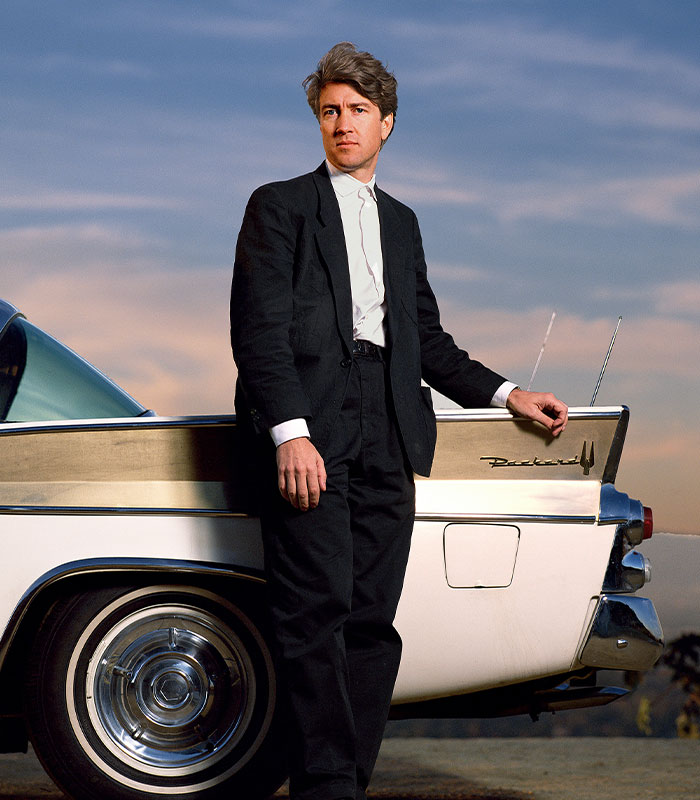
column 346, row 362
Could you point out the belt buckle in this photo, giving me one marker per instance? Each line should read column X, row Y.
column 365, row 348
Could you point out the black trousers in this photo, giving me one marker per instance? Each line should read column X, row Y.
column 335, row 575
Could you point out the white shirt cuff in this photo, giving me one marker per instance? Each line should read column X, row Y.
column 501, row 395
column 289, row 429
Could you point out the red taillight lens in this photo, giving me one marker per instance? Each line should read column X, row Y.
column 648, row 522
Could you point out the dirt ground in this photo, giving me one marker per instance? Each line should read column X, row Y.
column 540, row 769
column 485, row 769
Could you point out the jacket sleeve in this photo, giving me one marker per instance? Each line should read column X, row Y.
column 261, row 311
column 444, row 366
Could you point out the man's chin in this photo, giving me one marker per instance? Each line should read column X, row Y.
column 345, row 161
column 348, row 164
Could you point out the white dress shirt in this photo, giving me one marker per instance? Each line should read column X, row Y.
column 358, row 211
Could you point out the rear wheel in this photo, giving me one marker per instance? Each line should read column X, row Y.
column 154, row 692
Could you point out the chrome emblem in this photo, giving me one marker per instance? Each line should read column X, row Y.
column 586, row 460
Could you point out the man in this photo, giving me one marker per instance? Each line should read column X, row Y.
column 333, row 325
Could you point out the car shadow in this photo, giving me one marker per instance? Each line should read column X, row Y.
column 397, row 778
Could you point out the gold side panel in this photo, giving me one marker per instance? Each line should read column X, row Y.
column 113, row 453
column 158, row 464
column 142, row 466
column 506, row 449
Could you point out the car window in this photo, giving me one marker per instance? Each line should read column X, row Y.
column 41, row 379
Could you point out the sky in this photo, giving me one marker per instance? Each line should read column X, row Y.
column 551, row 150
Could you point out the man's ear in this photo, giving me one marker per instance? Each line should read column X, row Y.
column 387, row 125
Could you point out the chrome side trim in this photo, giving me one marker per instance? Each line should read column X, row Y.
column 431, row 517
column 119, row 510
column 442, row 415
column 116, row 423
column 625, row 634
column 583, row 412
column 208, row 512
column 104, row 565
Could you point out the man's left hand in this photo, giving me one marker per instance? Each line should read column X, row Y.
column 543, row 407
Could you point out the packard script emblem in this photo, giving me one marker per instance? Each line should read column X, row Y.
column 586, row 460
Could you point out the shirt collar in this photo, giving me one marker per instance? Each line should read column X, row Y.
column 344, row 184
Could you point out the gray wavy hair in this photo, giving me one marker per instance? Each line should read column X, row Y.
column 344, row 63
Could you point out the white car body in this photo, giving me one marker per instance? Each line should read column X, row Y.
column 520, row 583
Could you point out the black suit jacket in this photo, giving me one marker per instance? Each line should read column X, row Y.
column 291, row 318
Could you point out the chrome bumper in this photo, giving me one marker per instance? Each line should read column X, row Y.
column 625, row 634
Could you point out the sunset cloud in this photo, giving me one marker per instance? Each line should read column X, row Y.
column 661, row 199
column 541, row 66
column 667, row 347
column 90, row 246
column 162, row 335
column 91, row 201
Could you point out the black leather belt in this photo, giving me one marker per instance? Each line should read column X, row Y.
column 361, row 347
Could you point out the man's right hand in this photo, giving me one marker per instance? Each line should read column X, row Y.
column 301, row 473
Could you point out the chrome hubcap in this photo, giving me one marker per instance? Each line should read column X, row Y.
column 170, row 689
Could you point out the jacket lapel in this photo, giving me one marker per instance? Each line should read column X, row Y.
column 331, row 244
column 393, row 244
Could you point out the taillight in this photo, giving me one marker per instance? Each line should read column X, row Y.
column 648, row 523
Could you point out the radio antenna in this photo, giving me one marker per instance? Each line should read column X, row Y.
column 607, row 358
column 544, row 344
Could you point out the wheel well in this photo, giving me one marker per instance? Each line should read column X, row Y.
column 247, row 591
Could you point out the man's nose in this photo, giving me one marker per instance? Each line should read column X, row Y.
column 344, row 121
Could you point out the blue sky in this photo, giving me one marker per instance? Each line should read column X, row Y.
column 550, row 149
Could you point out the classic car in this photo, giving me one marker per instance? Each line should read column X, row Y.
column 134, row 653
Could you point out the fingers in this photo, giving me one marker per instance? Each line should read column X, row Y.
column 301, row 474
column 321, row 471
column 554, row 414
column 559, row 422
column 542, row 407
column 301, row 489
column 559, row 414
column 555, row 424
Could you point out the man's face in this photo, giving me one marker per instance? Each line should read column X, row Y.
column 352, row 130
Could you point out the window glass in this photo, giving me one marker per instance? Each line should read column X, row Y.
column 41, row 379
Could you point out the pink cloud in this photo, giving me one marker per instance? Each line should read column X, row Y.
column 162, row 335
column 511, row 339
